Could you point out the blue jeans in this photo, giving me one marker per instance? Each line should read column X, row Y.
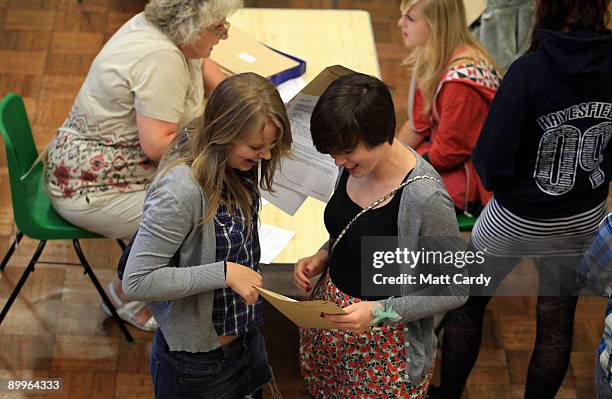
column 602, row 382
column 232, row 371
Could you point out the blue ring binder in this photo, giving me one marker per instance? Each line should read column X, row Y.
column 289, row 73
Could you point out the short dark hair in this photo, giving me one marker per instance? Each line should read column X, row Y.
column 354, row 108
column 559, row 15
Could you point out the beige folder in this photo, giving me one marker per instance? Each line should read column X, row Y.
column 303, row 313
column 474, row 9
column 242, row 53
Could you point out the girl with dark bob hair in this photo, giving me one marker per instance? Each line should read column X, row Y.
column 384, row 346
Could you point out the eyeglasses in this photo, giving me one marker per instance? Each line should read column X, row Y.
column 221, row 30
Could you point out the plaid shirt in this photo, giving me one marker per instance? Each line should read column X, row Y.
column 231, row 315
column 595, row 271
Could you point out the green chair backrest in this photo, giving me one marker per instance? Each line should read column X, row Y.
column 21, row 154
column 466, row 223
column 17, row 133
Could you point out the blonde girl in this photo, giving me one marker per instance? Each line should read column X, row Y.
column 195, row 258
column 453, row 82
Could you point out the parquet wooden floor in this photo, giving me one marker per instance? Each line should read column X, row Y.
column 56, row 327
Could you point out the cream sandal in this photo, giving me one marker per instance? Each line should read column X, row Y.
column 127, row 310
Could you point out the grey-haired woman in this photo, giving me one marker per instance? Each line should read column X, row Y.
column 147, row 83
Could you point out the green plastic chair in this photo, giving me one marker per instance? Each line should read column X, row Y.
column 466, row 223
column 34, row 215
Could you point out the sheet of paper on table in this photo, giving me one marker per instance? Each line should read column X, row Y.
column 290, row 88
column 284, row 199
column 272, row 241
column 302, row 313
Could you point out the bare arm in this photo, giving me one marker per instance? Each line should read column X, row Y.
column 407, row 136
column 155, row 136
column 212, row 75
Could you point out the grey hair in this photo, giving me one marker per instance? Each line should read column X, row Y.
column 183, row 20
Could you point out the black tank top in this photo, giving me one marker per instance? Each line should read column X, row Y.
column 345, row 260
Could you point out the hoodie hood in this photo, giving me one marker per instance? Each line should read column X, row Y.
column 578, row 52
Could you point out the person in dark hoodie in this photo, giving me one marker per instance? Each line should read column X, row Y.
column 545, row 153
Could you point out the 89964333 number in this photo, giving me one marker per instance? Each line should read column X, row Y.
column 24, row 385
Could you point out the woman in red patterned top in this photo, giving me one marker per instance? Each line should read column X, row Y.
column 454, row 80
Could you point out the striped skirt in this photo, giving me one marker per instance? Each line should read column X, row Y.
column 499, row 232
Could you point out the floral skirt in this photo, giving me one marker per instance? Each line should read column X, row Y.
column 343, row 365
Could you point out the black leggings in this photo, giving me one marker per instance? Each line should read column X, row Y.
column 550, row 359
column 555, row 320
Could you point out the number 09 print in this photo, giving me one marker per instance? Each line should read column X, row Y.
column 565, row 148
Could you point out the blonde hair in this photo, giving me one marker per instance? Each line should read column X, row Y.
column 238, row 107
column 448, row 33
column 183, row 20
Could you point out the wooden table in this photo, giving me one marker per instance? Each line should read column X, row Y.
column 322, row 38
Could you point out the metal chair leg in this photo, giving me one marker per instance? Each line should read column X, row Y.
column 11, row 250
column 26, row 273
column 121, row 244
column 107, row 302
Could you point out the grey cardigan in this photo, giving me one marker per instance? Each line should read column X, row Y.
column 426, row 210
column 180, row 297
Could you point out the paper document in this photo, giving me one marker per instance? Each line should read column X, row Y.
column 272, row 241
column 290, row 88
column 303, row 313
column 306, row 172
column 284, row 199
column 309, row 172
